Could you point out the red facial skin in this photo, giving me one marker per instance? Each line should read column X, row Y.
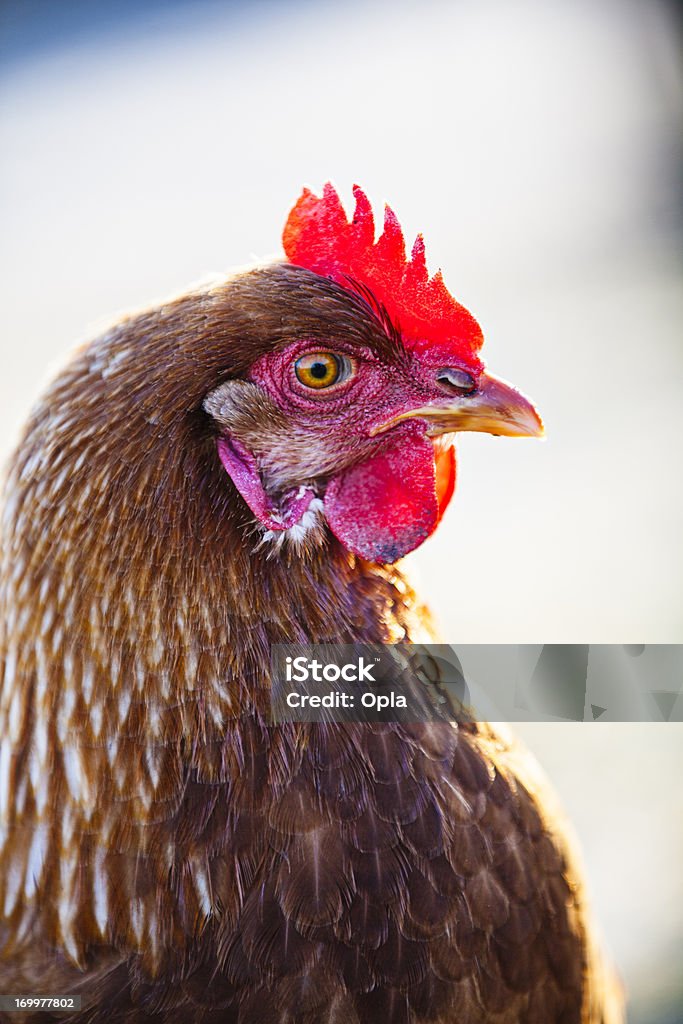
column 393, row 495
column 368, row 398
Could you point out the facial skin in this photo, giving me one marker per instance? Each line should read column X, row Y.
column 371, row 420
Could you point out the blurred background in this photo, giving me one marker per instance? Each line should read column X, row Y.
column 537, row 143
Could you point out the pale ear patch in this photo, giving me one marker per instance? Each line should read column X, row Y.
column 243, row 408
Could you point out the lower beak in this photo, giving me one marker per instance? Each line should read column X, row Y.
column 494, row 408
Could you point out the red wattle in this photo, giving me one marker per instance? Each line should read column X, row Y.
column 388, row 505
column 444, row 460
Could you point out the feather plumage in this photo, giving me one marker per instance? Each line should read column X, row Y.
column 164, row 851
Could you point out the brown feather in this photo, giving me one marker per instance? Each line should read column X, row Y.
column 163, row 850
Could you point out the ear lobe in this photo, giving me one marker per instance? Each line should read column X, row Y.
column 248, row 418
column 241, row 467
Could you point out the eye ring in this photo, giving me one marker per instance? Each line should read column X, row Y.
column 322, row 370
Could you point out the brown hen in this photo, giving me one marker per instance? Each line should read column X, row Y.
column 190, row 491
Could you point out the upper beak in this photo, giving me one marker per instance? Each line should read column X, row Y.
column 494, row 408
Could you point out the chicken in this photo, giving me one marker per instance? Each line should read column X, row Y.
column 239, row 467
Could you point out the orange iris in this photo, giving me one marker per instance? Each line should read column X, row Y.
column 318, row 369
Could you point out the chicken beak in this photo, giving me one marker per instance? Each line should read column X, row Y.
column 494, row 408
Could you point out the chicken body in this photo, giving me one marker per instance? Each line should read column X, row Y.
column 167, row 854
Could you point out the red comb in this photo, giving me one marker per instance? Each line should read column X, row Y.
column 319, row 237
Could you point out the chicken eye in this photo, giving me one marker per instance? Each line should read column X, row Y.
column 322, row 369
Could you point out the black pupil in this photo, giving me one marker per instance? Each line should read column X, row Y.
column 319, row 370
